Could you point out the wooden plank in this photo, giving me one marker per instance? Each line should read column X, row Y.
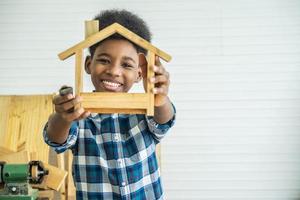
column 19, row 107
column 33, row 156
column 91, row 27
column 106, row 100
column 35, row 112
column 21, row 157
column 142, row 42
column 23, row 118
column 55, row 178
column 9, row 123
column 71, row 190
column 5, row 102
column 78, row 72
column 61, row 165
column 4, row 151
column 21, row 146
column 106, row 32
column 46, row 194
column 117, row 110
column 150, row 86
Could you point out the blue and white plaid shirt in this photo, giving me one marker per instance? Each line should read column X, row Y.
column 114, row 156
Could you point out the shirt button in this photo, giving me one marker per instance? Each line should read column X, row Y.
column 123, row 183
column 116, row 138
column 120, row 162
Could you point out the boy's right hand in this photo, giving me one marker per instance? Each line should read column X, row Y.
column 68, row 107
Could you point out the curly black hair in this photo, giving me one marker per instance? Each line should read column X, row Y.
column 127, row 19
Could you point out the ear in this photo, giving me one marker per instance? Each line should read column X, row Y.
column 87, row 64
column 142, row 73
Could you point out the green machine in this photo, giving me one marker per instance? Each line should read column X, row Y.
column 16, row 179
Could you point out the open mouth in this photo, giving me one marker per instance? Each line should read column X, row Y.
column 111, row 85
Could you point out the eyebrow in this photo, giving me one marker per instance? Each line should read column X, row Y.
column 128, row 58
column 103, row 54
column 124, row 57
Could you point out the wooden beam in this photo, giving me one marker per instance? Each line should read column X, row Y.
column 88, row 42
column 108, row 31
column 117, row 110
column 4, row 151
column 61, row 165
column 55, row 178
column 22, row 157
column 150, row 86
column 22, row 118
column 114, row 101
column 142, row 42
column 34, row 113
column 71, row 190
column 33, row 156
column 78, row 72
column 91, row 27
column 10, row 123
column 46, row 194
column 5, row 103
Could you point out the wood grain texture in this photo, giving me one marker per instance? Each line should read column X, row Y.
column 71, row 190
column 23, row 118
column 91, row 27
column 46, row 194
column 78, row 72
column 4, row 150
column 8, row 141
column 21, row 157
column 93, row 39
column 106, row 32
column 117, row 110
column 61, row 165
column 150, row 86
column 117, row 102
column 55, row 178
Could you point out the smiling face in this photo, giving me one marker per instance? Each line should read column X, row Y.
column 114, row 66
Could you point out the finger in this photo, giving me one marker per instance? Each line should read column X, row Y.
column 84, row 115
column 160, row 79
column 159, row 69
column 162, row 90
column 67, row 106
column 157, row 61
column 74, row 115
column 58, row 99
column 64, row 90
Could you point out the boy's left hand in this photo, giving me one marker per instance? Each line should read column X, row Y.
column 161, row 82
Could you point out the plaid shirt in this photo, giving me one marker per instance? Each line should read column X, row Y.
column 114, row 156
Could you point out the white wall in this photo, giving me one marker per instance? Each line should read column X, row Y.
column 235, row 81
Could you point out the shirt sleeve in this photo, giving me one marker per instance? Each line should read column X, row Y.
column 68, row 144
column 160, row 130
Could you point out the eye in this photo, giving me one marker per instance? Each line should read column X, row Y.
column 103, row 61
column 127, row 65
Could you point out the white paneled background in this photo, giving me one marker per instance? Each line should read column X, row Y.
column 235, row 78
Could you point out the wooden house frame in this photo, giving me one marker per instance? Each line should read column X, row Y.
column 110, row 102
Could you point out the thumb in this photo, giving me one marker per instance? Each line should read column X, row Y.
column 157, row 61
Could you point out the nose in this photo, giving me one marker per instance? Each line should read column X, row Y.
column 114, row 70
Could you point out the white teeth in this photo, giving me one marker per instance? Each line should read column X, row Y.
column 111, row 84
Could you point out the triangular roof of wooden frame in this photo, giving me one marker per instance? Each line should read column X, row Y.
column 108, row 31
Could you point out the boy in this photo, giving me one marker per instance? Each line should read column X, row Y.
column 114, row 154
